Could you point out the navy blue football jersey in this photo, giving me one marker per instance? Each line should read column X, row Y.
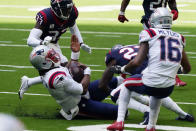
column 123, row 55
column 150, row 5
column 54, row 26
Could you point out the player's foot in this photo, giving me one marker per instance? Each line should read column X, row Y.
column 179, row 82
column 146, row 118
column 188, row 117
column 116, row 126
column 152, row 129
column 24, row 86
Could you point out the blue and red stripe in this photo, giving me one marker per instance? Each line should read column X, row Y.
column 52, row 77
column 151, row 32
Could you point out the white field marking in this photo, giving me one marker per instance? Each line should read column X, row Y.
column 5, row 41
column 33, row 94
column 30, row 94
column 7, row 70
column 89, row 32
column 110, row 36
column 27, row 67
column 193, row 57
column 104, row 126
column 67, row 47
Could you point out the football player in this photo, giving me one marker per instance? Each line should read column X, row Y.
column 72, row 96
column 165, row 51
column 51, row 23
column 149, row 6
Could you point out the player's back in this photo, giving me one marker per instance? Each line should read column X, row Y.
column 123, row 55
column 165, row 53
column 64, row 94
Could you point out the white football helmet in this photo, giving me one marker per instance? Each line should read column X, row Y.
column 161, row 18
column 42, row 58
column 10, row 123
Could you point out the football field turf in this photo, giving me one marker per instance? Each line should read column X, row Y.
column 100, row 29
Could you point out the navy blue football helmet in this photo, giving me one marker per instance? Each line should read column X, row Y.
column 62, row 8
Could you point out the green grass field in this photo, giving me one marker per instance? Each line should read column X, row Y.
column 100, row 29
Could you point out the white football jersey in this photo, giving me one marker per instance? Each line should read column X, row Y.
column 63, row 88
column 165, row 53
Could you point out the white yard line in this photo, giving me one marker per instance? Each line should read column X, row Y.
column 92, row 32
column 33, row 94
column 7, row 70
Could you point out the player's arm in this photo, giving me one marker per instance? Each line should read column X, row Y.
column 185, row 63
column 35, row 34
column 173, row 6
column 138, row 60
column 75, row 31
column 121, row 16
column 107, row 76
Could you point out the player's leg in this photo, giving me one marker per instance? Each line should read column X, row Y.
column 97, row 110
column 98, row 94
column 26, row 82
column 154, row 112
column 124, row 99
column 171, row 105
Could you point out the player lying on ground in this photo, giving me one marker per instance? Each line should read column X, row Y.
column 69, row 94
column 159, row 79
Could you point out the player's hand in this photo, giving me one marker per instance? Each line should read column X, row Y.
column 85, row 47
column 121, row 17
column 175, row 14
column 116, row 69
column 75, row 46
column 47, row 40
column 119, row 70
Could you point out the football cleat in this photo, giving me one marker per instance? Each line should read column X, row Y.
column 146, row 118
column 188, row 117
column 24, row 86
column 116, row 126
column 152, row 129
column 179, row 82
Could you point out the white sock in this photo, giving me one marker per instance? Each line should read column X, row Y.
column 35, row 80
column 171, row 105
column 124, row 98
column 141, row 98
column 154, row 112
column 133, row 104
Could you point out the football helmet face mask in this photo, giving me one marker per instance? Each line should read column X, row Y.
column 161, row 18
column 43, row 58
column 62, row 8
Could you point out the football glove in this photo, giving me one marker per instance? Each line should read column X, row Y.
column 47, row 40
column 85, row 47
column 122, row 18
column 119, row 70
column 175, row 14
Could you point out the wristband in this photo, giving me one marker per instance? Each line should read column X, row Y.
column 122, row 13
column 123, row 69
column 75, row 55
column 87, row 71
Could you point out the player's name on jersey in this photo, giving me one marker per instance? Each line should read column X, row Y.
column 168, row 33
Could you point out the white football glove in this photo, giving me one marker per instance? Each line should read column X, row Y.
column 47, row 40
column 85, row 47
